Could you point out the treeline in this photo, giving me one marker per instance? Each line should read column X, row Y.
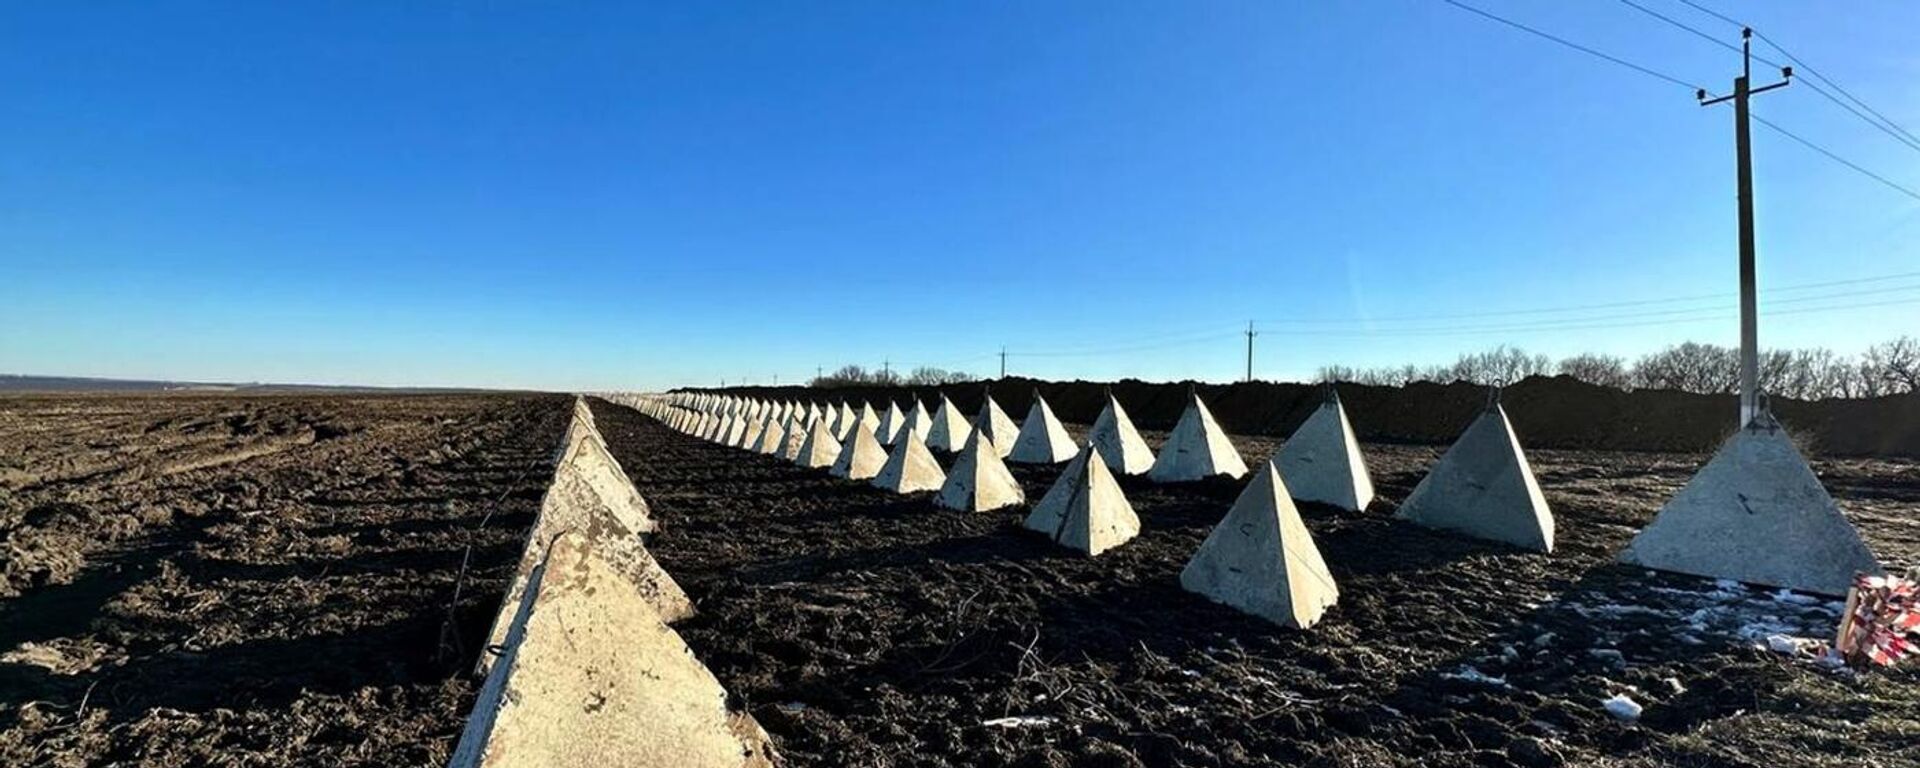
column 856, row 376
column 1887, row 368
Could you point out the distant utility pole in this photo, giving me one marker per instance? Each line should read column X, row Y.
column 886, row 370
column 1743, row 149
column 819, row 371
column 1250, row 335
column 1003, row 361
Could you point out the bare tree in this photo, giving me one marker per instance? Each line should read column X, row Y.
column 1604, row 370
column 1689, row 367
column 928, row 376
column 1893, row 365
column 1500, row 365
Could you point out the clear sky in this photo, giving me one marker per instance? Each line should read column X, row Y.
column 640, row 195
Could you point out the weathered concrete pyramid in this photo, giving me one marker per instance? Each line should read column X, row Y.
column 1196, row 449
column 796, row 435
column 820, row 448
column 910, row 468
column 891, row 424
column 918, row 420
column 1756, row 513
column 737, row 436
column 773, row 437
column 861, row 456
column 584, row 452
column 573, row 504
column 756, row 430
column 1321, row 461
column 999, row 429
column 1042, row 439
column 948, row 431
column 1483, row 487
column 869, row 422
column 813, row 414
column 725, row 428
column 1261, row 559
column 591, row 675
column 714, row 425
column 979, row 481
column 1085, row 509
column 843, row 420
column 1118, row 442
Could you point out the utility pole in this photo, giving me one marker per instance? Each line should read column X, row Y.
column 1743, row 149
column 1003, row 361
column 1250, row 335
column 886, row 370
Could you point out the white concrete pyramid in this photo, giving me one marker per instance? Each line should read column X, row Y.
column 910, row 468
column 1196, row 449
column 1321, row 461
column 861, row 456
column 918, row 420
column 999, row 429
column 819, row 449
column 589, row 674
column 868, row 422
column 843, row 421
column 716, row 426
column 980, row 481
column 948, row 430
column 795, row 436
column 1483, row 487
column 1261, row 559
column 773, row 436
column 737, row 436
column 1085, row 509
column 1042, row 439
column 757, row 429
column 1118, row 442
column 891, row 423
column 1756, row 513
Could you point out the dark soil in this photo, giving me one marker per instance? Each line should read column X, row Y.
column 225, row 580
column 866, row 628
column 266, row 581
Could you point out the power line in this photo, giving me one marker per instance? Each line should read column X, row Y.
column 1571, row 44
column 1683, row 83
column 1836, row 158
column 1884, row 125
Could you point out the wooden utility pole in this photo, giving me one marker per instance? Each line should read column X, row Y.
column 1003, row 361
column 1250, row 335
column 1743, row 150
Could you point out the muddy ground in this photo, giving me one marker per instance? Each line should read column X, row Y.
column 261, row 580
column 266, row 581
column 865, row 628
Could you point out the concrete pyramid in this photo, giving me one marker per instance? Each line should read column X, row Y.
column 1756, row 513
column 1483, row 487
column 584, row 452
column 891, row 424
column 572, row 504
column 756, row 429
column 714, row 425
column 918, row 420
column 796, row 435
column 1196, row 449
column 910, row 468
column 948, row 430
column 844, row 420
column 737, row 436
column 1261, row 559
column 1118, row 442
column 1322, row 463
column 1042, row 439
column 1000, row 430
column 868, row 422
column 820, row 448
column 589, row 674
column 773, row 437
column 1085, row 510
column 979, row 481
column 860, row 456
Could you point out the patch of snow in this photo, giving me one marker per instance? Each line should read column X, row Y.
column 1472, row 675
column 1790, row 596
column 1019, row 721
column 1622, row 707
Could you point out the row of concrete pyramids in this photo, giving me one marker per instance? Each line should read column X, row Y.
column 1260, row 559
column 1757, row 492
column 581, row 665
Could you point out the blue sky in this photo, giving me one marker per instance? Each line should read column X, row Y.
column 627, row 195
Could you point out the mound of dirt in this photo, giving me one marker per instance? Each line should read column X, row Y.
column 1548, row 412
